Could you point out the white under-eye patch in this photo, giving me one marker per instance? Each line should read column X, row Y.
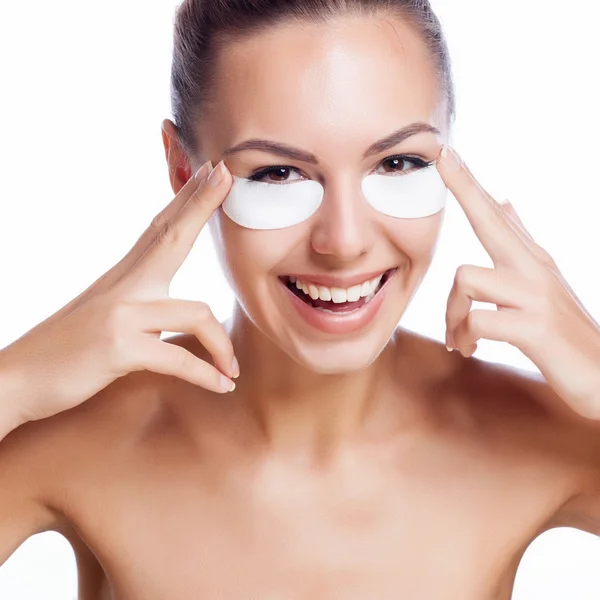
column 260, row 205
column 416, row 195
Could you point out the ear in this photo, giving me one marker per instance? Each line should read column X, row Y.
column 179, row 166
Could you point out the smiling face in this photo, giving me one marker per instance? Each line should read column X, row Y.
column 330, row 91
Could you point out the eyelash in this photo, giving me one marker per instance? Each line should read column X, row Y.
column 259, row 175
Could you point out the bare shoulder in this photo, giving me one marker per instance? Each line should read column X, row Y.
column 574, row 440
column 518, row 411
column 59, row 470
column 117, row 422
column 64, row 453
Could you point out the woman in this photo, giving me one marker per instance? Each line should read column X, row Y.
column 353, row 459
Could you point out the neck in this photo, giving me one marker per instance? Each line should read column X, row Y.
column 299, row 411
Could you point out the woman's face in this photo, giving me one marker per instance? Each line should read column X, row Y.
column 331, row 91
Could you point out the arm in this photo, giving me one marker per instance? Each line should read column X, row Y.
column 579, row 439
column 23, row 469
column 582, row 510
column 10, row 383
column 24, row 482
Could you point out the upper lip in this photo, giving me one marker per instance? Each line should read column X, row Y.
column 338, row 282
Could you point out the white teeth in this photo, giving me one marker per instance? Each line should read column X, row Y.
column 339, row 295
column 313, row 292
column 375, row 282
column 354, row 293
column 325, row 293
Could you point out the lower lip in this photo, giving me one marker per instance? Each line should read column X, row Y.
column 340, row 323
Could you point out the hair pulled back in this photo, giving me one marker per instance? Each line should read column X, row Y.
column 204, row 27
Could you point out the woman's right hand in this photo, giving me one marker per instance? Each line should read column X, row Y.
column 114, row 326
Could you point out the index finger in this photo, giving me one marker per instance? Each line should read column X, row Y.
column 166, row 215
column 495, row 232
column 172, row 247
column 108, row 279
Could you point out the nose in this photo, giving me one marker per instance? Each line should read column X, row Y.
column 344, row 227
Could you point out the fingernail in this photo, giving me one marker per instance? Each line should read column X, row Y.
column 440, row 155
column 217, row 174
column 203, row 171
column 451, row 158
column 449, row 342
column 227, row 384
column 235, row 367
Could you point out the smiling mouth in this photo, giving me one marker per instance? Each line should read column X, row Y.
column 338, row 302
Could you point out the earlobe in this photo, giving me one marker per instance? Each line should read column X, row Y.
column 177, row 161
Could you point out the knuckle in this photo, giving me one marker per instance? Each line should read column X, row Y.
column 498, row 209
column 463, row 274
column 117, row 316
column 159, row 221
column 546, row 258
column 181, row 359
column 118, row 354
column 203, row 311
column 167, row 234
column 197, row 197
column 116, row 320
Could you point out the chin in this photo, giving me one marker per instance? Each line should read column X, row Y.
column 346, row 358
column 338, row 356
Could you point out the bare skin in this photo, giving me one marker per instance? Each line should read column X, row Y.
column 185, row 499
column 364, row 467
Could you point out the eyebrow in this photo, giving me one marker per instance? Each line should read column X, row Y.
column 298, row 154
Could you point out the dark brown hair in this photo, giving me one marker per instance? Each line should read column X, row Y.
column 203, row 27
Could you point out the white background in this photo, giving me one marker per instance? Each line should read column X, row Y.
column 84, row 87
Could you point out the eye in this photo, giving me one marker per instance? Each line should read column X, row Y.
column 280, row 172
column 399, row 163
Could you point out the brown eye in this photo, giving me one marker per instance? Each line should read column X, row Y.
column 396, row 164
column 401, row 165
column 279, row 174
column 274, row 175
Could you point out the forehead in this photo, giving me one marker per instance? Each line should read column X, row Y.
column 347, row 83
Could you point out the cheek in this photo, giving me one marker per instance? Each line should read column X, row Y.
column 416, row 238
column 248, row 254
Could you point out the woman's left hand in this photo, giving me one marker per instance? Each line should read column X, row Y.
column 537, row 312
